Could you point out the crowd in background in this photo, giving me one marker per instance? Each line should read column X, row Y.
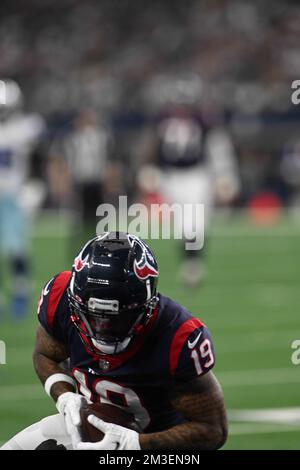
column 102, row 68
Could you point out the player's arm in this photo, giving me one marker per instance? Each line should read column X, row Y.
column 201, row 402
column 50, row 351
column 47, row 355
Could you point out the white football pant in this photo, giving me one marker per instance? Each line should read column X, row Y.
column 51, row 427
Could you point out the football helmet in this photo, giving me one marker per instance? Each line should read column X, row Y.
column 112, row 292
column 11, row 98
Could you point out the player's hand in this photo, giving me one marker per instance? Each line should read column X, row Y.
column 68, row 405
column 115, row 437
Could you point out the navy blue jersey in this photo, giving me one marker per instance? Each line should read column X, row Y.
column 174, row 347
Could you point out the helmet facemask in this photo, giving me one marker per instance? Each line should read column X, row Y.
column 109, row 328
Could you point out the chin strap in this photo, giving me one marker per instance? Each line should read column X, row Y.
column 113, row 348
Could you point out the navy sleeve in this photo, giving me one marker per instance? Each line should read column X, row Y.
column 43, row 304
column 51, row 314
column 195, row 354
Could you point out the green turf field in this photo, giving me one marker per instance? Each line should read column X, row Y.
column 250, row 302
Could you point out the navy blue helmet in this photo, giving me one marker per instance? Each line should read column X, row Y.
column 113, row 291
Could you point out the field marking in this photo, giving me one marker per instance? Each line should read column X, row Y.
column 262, row 339
column 264, row 421
column 255, row 347
column 22, row 357
column 61, row 227
column 240, row 429
column 257, row 377
column 289, row 416
column 234, row 326
column 18, row 359
column 244, row 230
column 239, row 378
column 245, row 234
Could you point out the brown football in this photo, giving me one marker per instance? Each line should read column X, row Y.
column 110, row 414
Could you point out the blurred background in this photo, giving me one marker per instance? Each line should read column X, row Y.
column 169, row 101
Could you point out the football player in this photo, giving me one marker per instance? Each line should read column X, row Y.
column 128, row 346
column 192, row 158
column 18, row 137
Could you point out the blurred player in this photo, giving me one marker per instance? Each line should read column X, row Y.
column 18, row 136
column 195, row 158
column 129, row 346
column 81, row 156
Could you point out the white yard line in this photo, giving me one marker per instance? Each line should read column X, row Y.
column 288, row 416
column 242, row 422
column 264, row 421
column 22, row 357
column 239, row 378
column 257, row 377
column 248, row 231
column 240, row 429
column 61, row 226
column 262, row 339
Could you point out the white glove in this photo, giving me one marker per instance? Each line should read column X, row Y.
column 68, row 405
column 115, row 438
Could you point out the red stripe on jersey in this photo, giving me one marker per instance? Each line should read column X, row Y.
column 179, row 339
column 57, row 290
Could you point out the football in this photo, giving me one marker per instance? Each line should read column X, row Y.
column 109, row 414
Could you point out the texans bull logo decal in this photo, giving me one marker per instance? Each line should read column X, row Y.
column 144, row 268
column 80, row 263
